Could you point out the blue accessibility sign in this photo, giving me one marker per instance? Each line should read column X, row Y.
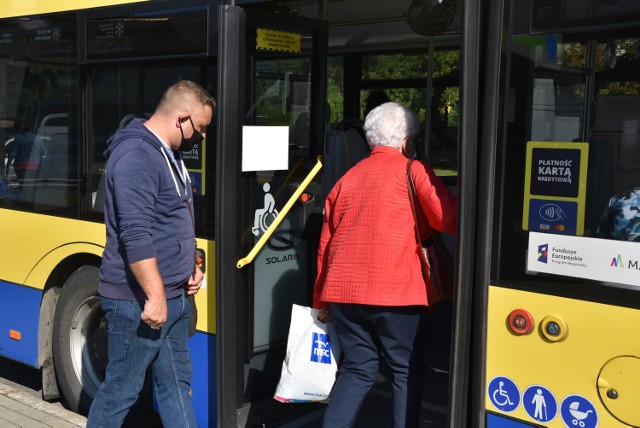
column 540, row 403
column 504, row 394
column 578, row 411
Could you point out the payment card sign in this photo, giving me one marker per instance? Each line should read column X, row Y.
column 555, row 187
column 550, row 216
column 320, row 348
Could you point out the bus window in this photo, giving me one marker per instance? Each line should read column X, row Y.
column 113, row 101
column 176, row 31
column 580, row 89
column 282, row 98
column 616, row 118
column 557, row 110
column 405, row 79
column 120, row 94
column 335, row 89
column 39, row 93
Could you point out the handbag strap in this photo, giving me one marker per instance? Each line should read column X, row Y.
column 412, row 199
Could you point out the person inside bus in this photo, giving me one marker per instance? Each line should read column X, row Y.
column 25, row 152
column 148, row 264
column 355, row 139
column 621, row 219
column 370, row 282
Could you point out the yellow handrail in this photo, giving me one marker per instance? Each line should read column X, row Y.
column 285, row 210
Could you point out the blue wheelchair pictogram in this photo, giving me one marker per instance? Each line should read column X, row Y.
column 540, row 403
column 579, row 412
column 504, row 394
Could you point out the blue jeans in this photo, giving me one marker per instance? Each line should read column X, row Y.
column 134, row 347
column 365, row 332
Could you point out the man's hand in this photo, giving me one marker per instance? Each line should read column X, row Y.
column 154, row 313
column 195, row 281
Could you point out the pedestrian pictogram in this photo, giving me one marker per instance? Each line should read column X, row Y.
column 540, row 403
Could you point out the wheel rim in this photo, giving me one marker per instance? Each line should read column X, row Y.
column 84, row 331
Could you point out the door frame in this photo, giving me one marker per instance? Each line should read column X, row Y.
column 232, row 284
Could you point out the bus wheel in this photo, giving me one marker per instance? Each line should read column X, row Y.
column 80, row 339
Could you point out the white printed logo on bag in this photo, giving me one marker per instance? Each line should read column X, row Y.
column 320, row 348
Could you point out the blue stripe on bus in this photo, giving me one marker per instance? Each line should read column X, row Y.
column 203, row 384
column 497, row 421
column 19, row 311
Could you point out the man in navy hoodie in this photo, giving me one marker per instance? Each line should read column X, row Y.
column 148, row 264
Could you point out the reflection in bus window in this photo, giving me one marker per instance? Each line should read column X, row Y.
column 616, row 121
column 557, row 110
column 40, row 171
column 577, row 90
column 114, row 103
column 621, row 219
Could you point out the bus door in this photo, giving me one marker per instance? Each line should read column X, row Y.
column 562, row 304
column 271, row 91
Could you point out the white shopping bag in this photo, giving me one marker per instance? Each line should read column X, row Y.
column 310, row 366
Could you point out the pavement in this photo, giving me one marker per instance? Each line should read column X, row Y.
column 19, row 409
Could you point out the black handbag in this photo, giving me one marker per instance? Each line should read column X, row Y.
column 437, row 263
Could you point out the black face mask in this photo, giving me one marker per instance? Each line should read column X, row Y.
column 187, row 143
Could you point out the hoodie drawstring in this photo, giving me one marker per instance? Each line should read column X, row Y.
column 166, row 158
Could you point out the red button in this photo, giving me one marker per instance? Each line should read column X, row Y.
column 520, row 322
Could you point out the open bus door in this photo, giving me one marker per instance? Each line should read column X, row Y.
column 272, row 84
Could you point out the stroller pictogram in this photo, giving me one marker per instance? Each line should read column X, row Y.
column 577, row 414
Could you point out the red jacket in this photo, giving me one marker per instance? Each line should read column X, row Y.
column 368, row 250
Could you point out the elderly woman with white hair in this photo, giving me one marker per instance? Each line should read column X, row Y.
column 369, row 275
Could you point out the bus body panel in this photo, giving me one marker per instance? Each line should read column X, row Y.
column 569, row 369
column 19, row 312
column 51, row 235
column 59, row 238
column 206, row 296
column 203, row 353
column 37, row 277
column 497, row 421
column 19, row 8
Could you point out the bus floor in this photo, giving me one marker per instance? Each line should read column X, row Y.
column 376, row 411
column 377, row 407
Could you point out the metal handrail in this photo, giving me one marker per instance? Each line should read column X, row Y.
column 285, row 210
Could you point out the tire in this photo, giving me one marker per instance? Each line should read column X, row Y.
column 80, row 351
column 80, row 340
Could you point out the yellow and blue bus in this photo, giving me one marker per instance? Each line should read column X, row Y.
column 70, row 77
column 531, row 106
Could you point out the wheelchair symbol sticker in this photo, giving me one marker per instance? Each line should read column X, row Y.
column 578, row 412
column 263, row 217
column 504, row 394
column 540, row 403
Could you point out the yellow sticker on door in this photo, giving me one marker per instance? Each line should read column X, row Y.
column 278, row 40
